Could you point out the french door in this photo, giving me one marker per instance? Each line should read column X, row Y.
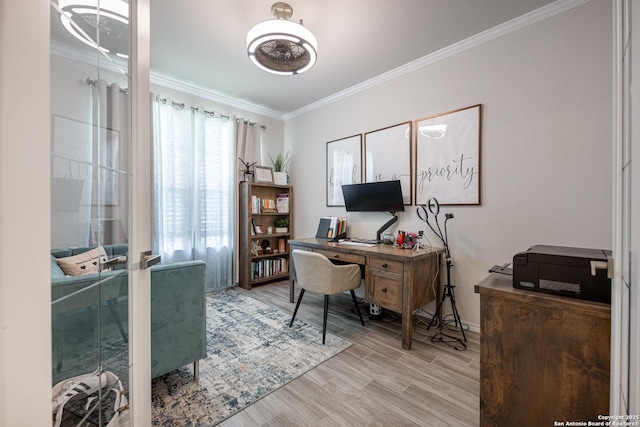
column 100, row 193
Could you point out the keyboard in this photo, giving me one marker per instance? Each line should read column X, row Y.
column 352, row 243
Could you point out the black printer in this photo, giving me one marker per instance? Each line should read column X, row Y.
column 573, row 272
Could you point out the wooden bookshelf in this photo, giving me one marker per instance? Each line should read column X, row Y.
column 258, row 211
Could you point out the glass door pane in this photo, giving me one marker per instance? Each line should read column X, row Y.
column 90, row 206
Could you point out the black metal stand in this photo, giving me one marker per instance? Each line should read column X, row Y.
column 432, row 208
column 448, row 293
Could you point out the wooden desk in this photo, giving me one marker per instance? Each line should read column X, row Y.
column 399, row 280
column 543, row 358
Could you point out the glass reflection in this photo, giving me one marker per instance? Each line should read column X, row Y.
column 90, row 182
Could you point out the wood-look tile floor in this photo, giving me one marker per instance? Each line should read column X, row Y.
column 375, row 382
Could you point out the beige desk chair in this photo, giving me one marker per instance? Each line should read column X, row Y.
column 315, row 273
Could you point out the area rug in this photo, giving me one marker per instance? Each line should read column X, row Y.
column 251, row 353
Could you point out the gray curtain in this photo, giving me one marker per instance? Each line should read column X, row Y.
column 247, row 143
column 247, row 136
column 110, row 160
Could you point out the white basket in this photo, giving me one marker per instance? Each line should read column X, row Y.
column 280, row 178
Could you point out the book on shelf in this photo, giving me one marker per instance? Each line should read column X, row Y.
column 259, row 205
column 269, row 267
column 282, row 203
column 332, row 228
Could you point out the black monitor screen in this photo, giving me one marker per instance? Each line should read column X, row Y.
column 383, row 196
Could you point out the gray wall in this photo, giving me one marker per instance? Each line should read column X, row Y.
column 546, row 151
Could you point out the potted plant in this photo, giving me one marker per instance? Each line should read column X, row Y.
column 280, row 168
column 282, row 224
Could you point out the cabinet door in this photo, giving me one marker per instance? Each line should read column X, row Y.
column 541, row 362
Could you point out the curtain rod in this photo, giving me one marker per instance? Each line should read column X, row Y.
column 182, row 105
column 263, row 127
column 95, row 83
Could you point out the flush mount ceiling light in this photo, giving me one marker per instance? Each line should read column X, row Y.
column 280, row 46
column 101, row 24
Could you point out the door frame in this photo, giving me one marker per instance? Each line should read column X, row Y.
column 141, row 225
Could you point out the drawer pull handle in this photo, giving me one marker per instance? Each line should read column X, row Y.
column 384, row 265
column 384, row 289
column 336, row 256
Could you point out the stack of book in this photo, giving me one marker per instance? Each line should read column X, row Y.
column 259, row 205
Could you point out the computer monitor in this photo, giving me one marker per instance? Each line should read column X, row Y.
column 383, row 196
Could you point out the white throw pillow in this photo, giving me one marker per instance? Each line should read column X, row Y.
column 84, row 263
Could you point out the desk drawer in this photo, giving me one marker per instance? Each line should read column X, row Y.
column 386, row 265
column 340, row 256
column 385, row 289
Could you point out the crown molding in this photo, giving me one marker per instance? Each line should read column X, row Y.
column 214, row 96
column 508, row 27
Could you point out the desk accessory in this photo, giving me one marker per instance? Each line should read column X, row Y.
column 432, row 208
column 381, row 196
column 332, row 228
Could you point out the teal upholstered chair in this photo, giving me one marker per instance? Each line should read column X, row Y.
column 178, row 315
column 315, row 273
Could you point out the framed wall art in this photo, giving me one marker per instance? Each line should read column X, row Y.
column 263, row 174
column 388, row 157
column 344, row 166
column 448, row 157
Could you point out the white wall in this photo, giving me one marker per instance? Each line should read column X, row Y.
column 546, row 153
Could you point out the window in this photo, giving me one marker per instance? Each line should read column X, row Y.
column 193, row 189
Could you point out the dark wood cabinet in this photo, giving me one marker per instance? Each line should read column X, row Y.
column 543, row 358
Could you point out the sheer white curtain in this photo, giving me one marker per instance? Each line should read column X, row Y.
column 193, row 189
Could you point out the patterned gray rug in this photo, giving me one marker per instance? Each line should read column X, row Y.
column 251, row 353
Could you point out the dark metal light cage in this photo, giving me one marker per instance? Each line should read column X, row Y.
column 283, row 55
